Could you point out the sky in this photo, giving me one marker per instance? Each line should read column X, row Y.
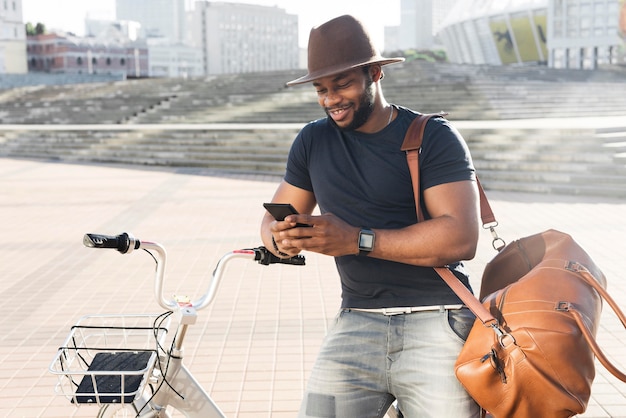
column 69, row 15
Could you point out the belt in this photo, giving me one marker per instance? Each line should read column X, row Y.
column 408, row 310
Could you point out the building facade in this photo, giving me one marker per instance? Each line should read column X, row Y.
column 174, row 60
column 416, row 24
column 241, row 38
column 158, row 18
column 583, row 33
column 12, row 38
column 55, row 53
column 420, row 21
column 558, row 33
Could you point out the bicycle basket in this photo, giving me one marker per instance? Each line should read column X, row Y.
column 108, row 358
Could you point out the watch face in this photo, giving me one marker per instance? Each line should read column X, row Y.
column 366, row 241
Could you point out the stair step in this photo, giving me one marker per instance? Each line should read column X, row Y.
column 556, row 189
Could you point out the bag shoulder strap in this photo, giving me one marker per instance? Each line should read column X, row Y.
column 412, row 145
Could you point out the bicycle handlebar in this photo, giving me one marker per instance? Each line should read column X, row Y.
column 126, row 243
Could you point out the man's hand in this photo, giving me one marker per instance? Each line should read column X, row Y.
column 327, row 235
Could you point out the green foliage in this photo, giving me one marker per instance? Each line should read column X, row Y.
column 38, row 29
column 422, row 55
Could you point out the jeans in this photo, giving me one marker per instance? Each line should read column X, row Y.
column 369, row 359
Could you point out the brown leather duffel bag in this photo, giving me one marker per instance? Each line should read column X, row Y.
column 546, row 294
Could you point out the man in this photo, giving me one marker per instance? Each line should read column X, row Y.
column 400, row 327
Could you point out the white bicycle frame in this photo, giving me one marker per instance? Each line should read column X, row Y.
column 194, row 403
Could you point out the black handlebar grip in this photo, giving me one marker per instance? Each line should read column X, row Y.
column 266, row 257
column 296, row 260
column 123, row 243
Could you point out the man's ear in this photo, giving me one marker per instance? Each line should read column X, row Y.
column 376, row 72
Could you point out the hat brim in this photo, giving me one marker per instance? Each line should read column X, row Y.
column 331, row 71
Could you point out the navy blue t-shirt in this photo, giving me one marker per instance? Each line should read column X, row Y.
column 364, row 179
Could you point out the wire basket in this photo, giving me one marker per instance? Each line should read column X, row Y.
column 109, row 358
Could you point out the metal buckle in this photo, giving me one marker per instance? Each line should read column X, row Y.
column 497, row 243
column 563, row 306
column 574, row 266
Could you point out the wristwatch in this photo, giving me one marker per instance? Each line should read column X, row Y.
column 366, row 241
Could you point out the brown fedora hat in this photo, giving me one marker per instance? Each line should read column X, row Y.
column 338, row 45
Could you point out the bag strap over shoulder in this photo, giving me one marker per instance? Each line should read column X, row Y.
column 412, row 145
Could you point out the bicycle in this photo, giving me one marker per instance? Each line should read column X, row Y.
column 119, row 362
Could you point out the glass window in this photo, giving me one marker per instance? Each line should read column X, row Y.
column 558, row 28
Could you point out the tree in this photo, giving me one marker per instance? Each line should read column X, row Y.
column 38, row 29
column 30, row 30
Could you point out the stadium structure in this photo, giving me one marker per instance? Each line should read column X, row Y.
column 581, row 34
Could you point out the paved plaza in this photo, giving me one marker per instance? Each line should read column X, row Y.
column 253, row 348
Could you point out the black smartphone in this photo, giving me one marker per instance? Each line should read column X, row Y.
column 280, row 211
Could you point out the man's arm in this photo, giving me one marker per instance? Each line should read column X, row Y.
column 449, row 236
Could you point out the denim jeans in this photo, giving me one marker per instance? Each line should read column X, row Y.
column 369, row 359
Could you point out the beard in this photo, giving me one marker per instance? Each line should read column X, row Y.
column 362, row 112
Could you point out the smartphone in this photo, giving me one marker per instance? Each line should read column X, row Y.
column 280, row 211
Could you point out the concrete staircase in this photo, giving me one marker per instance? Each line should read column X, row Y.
column 467, row 92
column 253, row 150
column 590, row 162
column 573, row 161
column 246, row 123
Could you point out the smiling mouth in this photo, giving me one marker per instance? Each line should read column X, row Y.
column 337, row 113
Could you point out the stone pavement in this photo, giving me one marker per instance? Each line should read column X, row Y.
column 254, row 347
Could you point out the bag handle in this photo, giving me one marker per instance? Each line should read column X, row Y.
column 585, row 275
column 412, row 146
